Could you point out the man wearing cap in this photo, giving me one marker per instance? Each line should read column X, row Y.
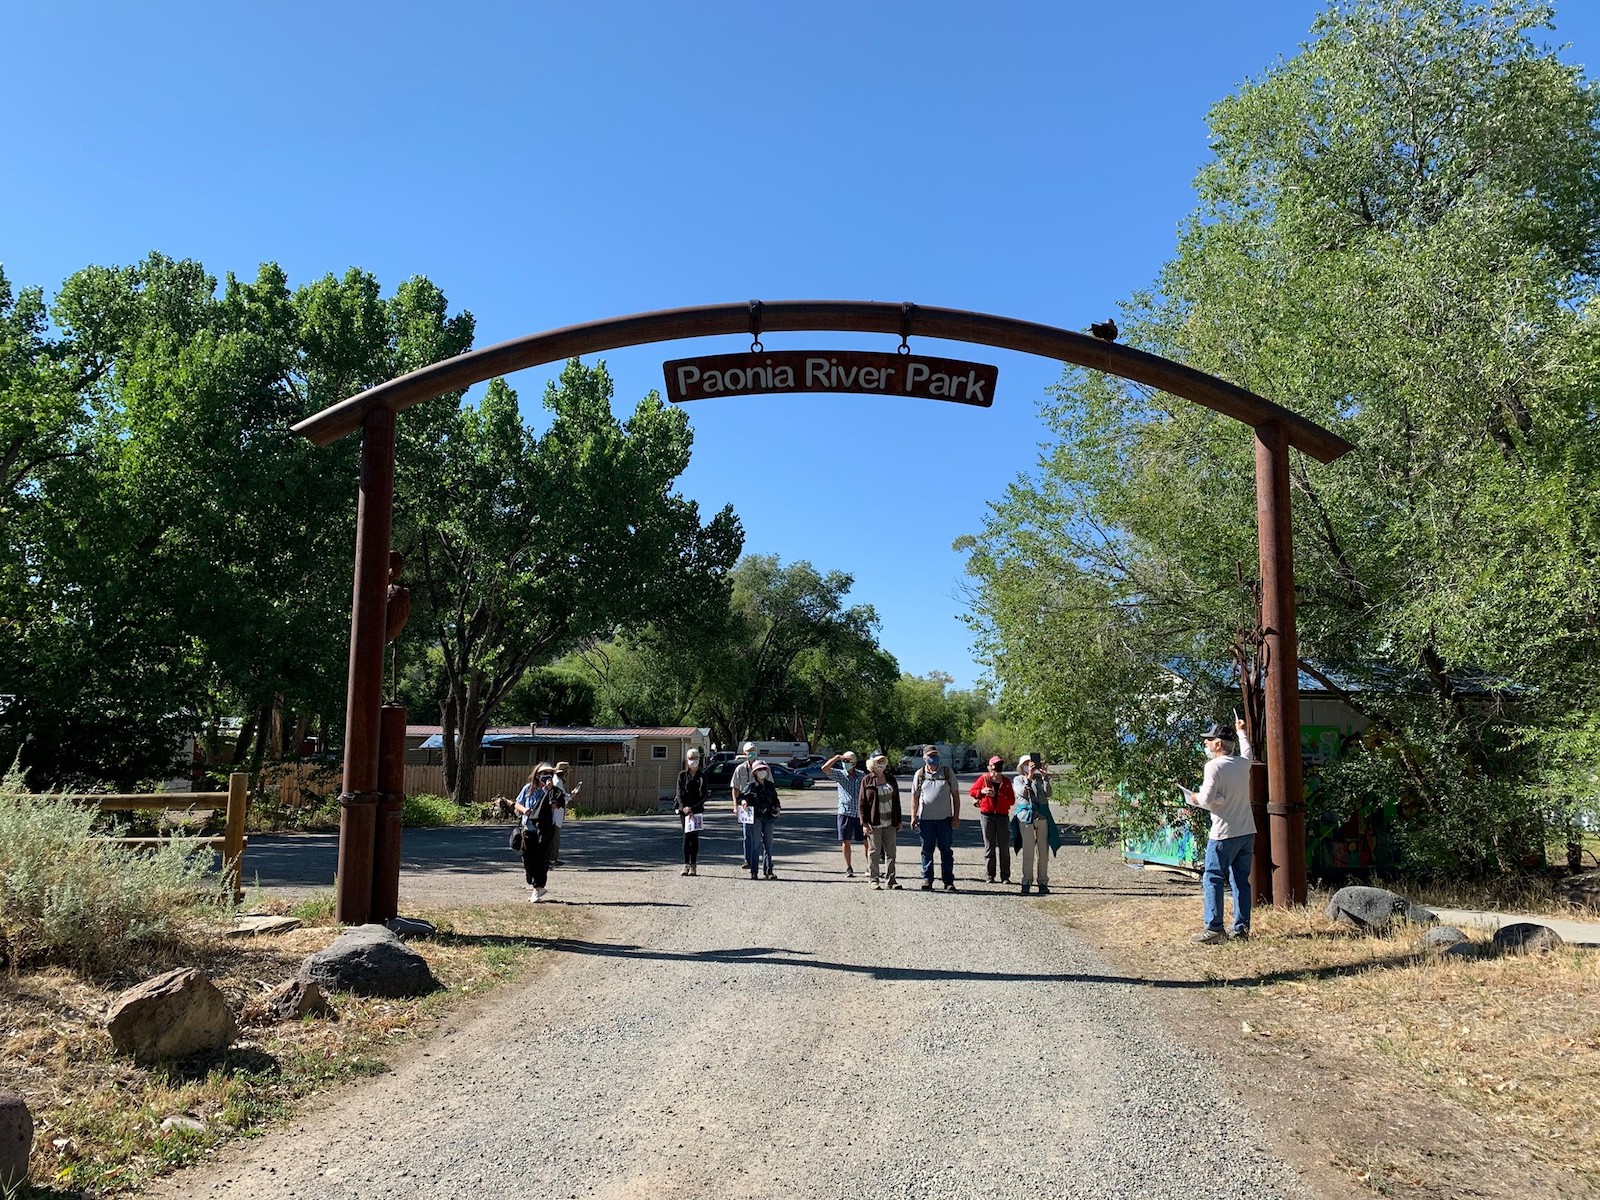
column 1225, row 794
column 992, row 791
column 935, row 813
column 740, row 784
column 848, row 780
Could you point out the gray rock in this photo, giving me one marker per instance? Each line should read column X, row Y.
column 16, row 1140
column 1374, row 909
column 171, row 1016
column 1461, row 950
column 255, row 924
column 1525, row 937
column 410, row 927
column 295, row 999
column 1442, row 937
column 184, row 1122
column 370, row 961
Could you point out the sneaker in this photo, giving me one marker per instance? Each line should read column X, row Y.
column 1241, row 935
column 990, row 879
column 694, row 870
column 1044, row 889
column 849, row 872
column 533, row 898
column 686, row 870
column 1006, row 879
column 949, row 887
column 877, row 887
column 893, row 886
column 770, row 875
column 1028, row 887
column 1207, row 937
column 927, row 887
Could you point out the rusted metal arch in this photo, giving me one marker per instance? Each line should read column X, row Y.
column 369, row 832
column 838, row 316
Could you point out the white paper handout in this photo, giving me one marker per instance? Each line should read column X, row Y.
column 747, row 814
column 693, row 822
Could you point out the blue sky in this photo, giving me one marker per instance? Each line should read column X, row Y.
column 551, row 164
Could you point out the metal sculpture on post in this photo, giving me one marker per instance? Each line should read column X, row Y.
column 1277, row 430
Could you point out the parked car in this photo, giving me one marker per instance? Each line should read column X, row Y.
column 719, row 778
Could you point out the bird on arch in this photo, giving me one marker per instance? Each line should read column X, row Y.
column 1105, row 330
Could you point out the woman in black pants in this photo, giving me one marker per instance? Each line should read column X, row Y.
column 692, row 808
column 533, row 807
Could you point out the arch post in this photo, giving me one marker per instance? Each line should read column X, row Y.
column 1286, row 802
column 358, row 805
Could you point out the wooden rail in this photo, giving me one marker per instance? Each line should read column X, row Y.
column 230, row 843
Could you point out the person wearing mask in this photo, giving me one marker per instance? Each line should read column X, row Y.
column 1230, row 847
column 739, row 784
column 935, row 814
column 761, row 807
column 693, row 791
column 1035, row 824
column 879, row 813
column 848, row 780
column 559, row 803
column 533, row 809
column 992, row 791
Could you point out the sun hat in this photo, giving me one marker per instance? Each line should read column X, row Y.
column 562, row 768
column 877, row 760
column 996, row 760
column 760, row 765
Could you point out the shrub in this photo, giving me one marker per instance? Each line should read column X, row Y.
column 427, row 811
column 69, row 898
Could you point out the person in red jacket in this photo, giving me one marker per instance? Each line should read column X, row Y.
column 992, row 790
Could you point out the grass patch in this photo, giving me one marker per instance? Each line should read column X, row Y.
column 99, row 1117
column 1515, row 1040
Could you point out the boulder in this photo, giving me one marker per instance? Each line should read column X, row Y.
column 171, row 1016
column 16, row 1141
column 370, row 961
column 1374, row 909
column 295, row 999
column 1441, row 937
column 1525, row 937
column 1461, row 950
column 406, row 928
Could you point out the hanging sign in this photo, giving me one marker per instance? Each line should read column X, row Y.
column 830, row 371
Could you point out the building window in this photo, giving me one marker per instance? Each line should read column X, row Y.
column 491, row 756
column 659, row 753
column 586, row 756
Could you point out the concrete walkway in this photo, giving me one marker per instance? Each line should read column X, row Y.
column 1579, row 933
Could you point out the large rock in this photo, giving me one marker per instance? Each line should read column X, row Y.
column 1442, row 937
column 1525, row 937
column 171, row 1016
column 16, row 1141
column 1374, row 909
column 370, row 961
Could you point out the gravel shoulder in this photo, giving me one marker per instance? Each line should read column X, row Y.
column 807, row 1036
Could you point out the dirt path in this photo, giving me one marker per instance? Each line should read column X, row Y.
column 806, row 1037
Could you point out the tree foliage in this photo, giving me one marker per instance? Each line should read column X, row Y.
column 1396, row 236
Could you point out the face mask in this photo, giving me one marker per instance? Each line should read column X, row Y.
column 932, row 760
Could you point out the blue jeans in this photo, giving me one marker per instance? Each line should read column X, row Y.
column 758, row 846
column 1228, row 861
column 938, row 833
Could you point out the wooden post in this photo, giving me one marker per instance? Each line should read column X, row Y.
column 392, row 802
column 364, row 694
column 1261, row 864
column 1286, row 805
column 233, row 832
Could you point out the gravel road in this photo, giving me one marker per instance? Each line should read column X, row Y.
column 807, row 1037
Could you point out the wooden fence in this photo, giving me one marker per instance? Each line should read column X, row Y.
column 614, row 787
column 231, row 842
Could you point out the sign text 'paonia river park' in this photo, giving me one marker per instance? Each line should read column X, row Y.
column 831, row 371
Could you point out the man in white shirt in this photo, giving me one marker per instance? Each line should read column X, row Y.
column 1225, row 794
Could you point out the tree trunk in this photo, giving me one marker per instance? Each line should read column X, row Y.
column 242, row 743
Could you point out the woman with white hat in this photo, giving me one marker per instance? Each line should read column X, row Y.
column 692, row 793
column 759, row 809
column 880, row 817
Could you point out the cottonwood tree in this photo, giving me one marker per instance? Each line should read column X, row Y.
column 525, row 545
column 1397, row 237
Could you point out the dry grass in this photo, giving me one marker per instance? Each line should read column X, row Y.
column 98, row 1117
column 1515, row 1040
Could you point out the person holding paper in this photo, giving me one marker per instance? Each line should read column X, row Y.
column 692, row 795
column 879, row 813
column 1225, row 794
column 758, row 810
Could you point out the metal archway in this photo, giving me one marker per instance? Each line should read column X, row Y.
column 365, row 892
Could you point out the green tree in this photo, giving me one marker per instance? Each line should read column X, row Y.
column 526, row 546
column 1396, row 237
